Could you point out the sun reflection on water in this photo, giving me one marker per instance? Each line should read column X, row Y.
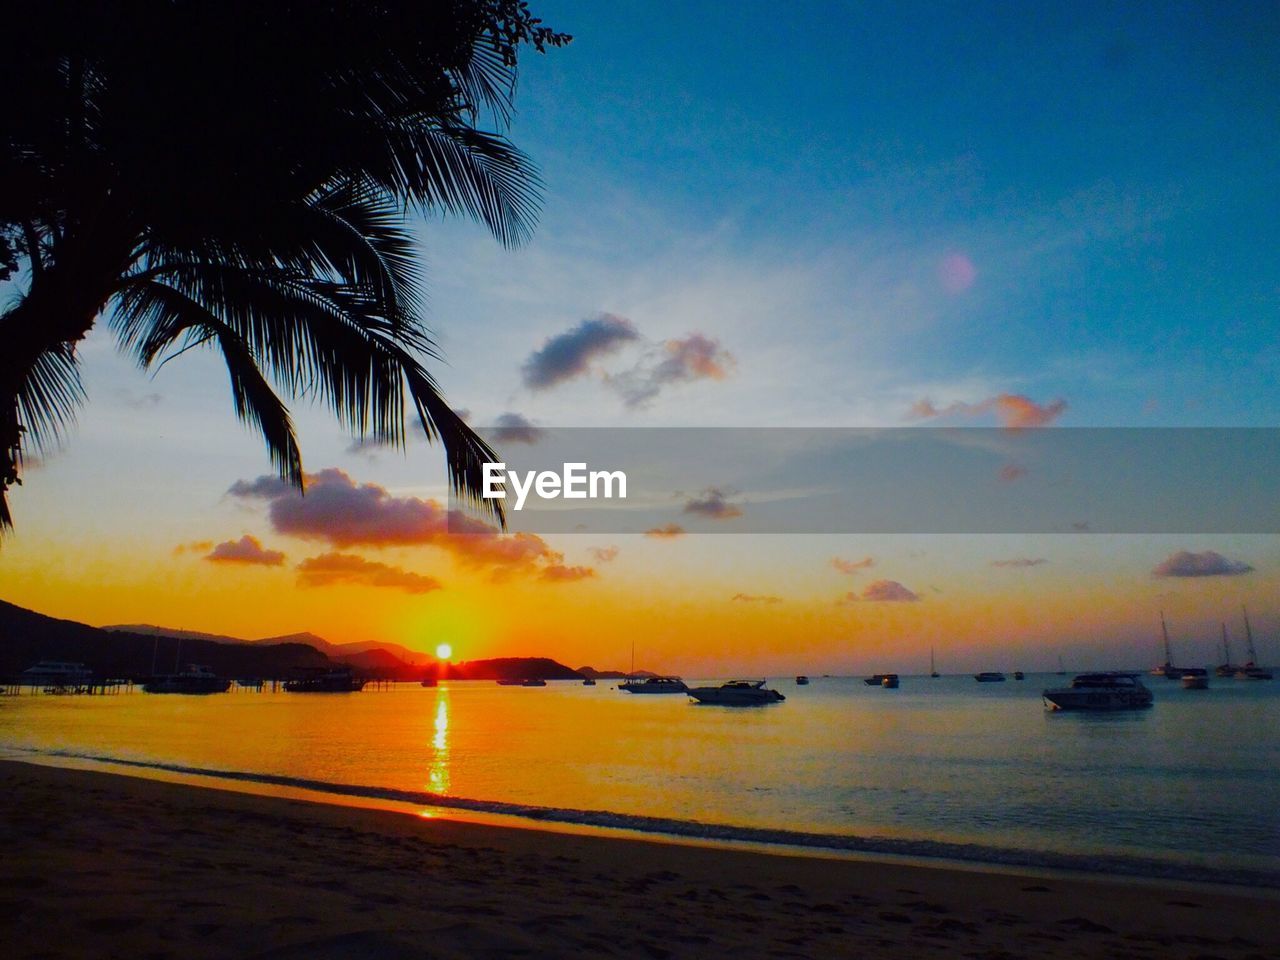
column 439, row 774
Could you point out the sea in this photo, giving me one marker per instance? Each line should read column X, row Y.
column 942, row 768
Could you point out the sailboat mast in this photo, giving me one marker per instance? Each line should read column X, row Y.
column 1248, row 636
column 1168, row 655
column 1226, row 650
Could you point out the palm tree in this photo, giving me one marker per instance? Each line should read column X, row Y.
column 236, row 176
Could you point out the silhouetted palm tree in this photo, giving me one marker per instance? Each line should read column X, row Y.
column 236, row 175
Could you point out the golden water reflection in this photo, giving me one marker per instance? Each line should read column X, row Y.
column 438, row 781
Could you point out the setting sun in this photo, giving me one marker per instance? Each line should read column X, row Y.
column 444, row 651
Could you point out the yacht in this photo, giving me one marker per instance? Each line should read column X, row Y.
column 321, row 680
column 56, row 674
column 890, row 681
column 802, row 681
column 1100, row 691
column 589, row 682
column 194, row 679
column 877, row 679
column 533, row 682
column 1251, row 670
column 737, row 693
column 654, row 685
column 990, row 676
column 1167, row 669
column 1226, row 668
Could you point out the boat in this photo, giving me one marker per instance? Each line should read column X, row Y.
column 510, row 682
column 325, row 680
column 1062, row 671
column 194, row 679
column 1195, row 678
column 654, row 685
column 737, row 693
column 589, row 682
column 933, row 668
column 1226, row 668
column 1019, row 675
column 1167, row 669
column 1251, row 670
column 802, row 681
column 1099, row 692
column 990, row 676
column 430, row 682
column 877, row 679
column 533, row 682
column 57, row 674
column 890, row 681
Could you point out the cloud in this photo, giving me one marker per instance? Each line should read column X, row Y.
column 513, row 428
column 885, row 591
column 695, row 357
column 713, row 504
column 1019, row 562
column 559, row 573
column 852, row 567
column 1210, row 563
column 331, row 569
column 604, row 554
column 668, row 531
column 195, row 546
column 569, row 355
column 755, row 598
column 1013, row 410
column 247, row 550
column 345, row 514
column 956, row 272
column 1012, row 471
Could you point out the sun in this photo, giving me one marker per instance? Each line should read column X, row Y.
column 444, row 651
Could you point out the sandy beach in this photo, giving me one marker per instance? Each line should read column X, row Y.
column 100, row 865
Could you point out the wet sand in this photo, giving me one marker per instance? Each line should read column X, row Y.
column 100, row 865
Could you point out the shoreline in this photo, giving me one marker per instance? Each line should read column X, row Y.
column 944, row 854
column 137, row 866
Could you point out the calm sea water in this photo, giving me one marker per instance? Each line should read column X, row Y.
column 944, row 767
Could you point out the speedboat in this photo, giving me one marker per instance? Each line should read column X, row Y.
column 990, row 676
column 320, row 680
column 737, row 693
column 1100, row 691
column 654, row 685
column 194, row 679
column 1195, row 678
column 802, row 681
column 890, row 681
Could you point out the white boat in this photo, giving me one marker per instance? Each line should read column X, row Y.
column 56, row 673
column 1195, row 678
column 1100, row 691
column 654, row 685
column 737, row 693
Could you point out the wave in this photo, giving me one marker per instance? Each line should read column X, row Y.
column 968, row 853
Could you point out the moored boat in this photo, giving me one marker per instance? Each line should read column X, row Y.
column 876, row 679
column 1195, row 678
column 802, row 681
column 1099, row 692
column 654, row 685
column 737, row 693
column 589, row 682
column 890, row 681
column 1251, row 670
column 1019, row 675
column 322, row 680
column 990, row 676
column 56, row 674
column 533, row 682
column 195, row 679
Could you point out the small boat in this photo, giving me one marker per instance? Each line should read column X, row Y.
column 890, row 681
column 1226, row 668
column 737, row 693
column 510, row 682
column 1019, row 675
column 655, row 685
column 194, row 679
column 533, row 682
column 1100, row 691
column 802, row 681
column 322, row 680
column 589, row 682
column 1195, row 678
column 430, row 682
column 933, row 667
column 877, row 679
column 1167, row 669
column 990, row 676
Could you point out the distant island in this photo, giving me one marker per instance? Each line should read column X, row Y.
column 135, row 651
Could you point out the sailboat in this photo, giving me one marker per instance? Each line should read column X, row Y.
column 1167, row 669
column 1226, row 668
column 933, row 669
column 1251, row 670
